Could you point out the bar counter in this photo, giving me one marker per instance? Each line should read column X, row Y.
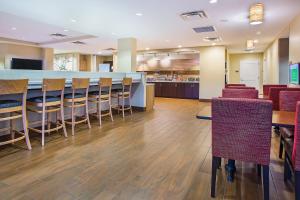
column 35, row 77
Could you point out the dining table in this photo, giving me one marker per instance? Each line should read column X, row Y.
column 279, row 118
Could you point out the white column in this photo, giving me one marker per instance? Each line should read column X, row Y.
column 126, row 55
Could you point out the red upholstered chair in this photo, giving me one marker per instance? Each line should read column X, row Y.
column 240, row 93
column 274, row 95
column 241, row 130
column 292, row 155
column 287, row 102
column 235, row 85
column 267, row 87
column 238, row 87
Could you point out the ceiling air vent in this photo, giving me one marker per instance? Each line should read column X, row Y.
column 212, row 39
column 58, row 35
column 110, row 49
column 195, row 15
column 79, row 42
column 205, row 29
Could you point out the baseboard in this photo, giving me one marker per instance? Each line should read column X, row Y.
column 205, row 100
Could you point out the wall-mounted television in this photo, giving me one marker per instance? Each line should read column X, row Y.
column 17, row 63
column 294, row 74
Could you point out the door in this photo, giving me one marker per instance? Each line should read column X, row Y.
column 249, row 73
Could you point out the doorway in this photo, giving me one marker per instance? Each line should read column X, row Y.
column 249, row 73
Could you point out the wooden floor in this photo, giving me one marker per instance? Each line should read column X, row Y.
column 164, row 154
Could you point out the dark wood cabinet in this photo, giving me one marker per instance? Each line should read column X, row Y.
column 177, row 90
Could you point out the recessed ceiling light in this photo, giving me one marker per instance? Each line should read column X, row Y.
column 179, row 46
column 258, row 33
column 13, row 28
column 66, row 30
column 167, row 40
column 147, row 48
column 139, row 14
column 73, row 20
column 255, row 41
column 99, row 52
column 213, row 44
column 213, row 1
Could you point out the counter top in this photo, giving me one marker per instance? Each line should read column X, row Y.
column 36, row 76
column 197, row 82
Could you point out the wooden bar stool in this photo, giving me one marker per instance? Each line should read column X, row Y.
column 48, row 104
column 14, row 108
column 124, row 94
column 77, row 99
column 102, row 96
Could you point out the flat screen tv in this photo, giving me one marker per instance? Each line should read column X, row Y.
column 17, row 63
column 294, row 74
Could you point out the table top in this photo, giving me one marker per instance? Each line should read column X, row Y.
column 280, row 118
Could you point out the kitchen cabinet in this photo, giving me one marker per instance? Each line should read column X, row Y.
column 183, row 90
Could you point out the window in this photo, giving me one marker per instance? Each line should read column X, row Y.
column 65, row 62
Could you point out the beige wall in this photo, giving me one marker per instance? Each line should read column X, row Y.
column 271, row 64
column 212, row 71
column 295, row 41
column 234, row 65
column 9, row 51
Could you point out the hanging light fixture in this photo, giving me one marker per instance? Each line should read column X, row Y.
column 256, row 14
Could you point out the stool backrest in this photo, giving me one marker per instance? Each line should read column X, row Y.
column 105, row 82
column 127, row 81
column 80, row 83
column 13, row 86
column 53, row 84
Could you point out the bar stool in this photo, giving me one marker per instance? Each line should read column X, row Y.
column 102, row 96
column 124, row 94
column 77, row 99
column 14, row 108
column 48, row 104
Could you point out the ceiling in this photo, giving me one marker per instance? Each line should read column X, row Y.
column 99, row 23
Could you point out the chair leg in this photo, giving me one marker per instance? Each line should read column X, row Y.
column 287, row 170
column 281, row 147
column 43, row 125
column 118, row 105
column 215, row 164
column 62, row 116
column 87, row 113
column 25, row 127
column 297, row 185
column 266, row 181
column 48, row 122
column 99, row 112
column 259, row 170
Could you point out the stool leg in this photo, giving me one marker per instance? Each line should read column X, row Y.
column 62, row 116
column 118, row 105
column 43, row 125
column 87, row 113
column 129, row 100
column 73, row 119
column 25, row 127
column 99, row 111
column 123, row 105
column 110, row 110
column 12, row 133
column 48, row 122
